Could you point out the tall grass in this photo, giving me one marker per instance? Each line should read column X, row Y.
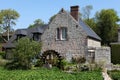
column 45, row 74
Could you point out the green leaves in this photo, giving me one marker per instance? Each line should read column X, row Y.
column 107, row 25
column 45, row 74
column 25, row 50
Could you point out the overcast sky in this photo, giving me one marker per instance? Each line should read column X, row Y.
column 30, row 10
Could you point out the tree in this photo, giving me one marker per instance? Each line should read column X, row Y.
column 107, row 25
column 25, row 51
column 92, row 23
column 37, row 22
column 7, row 20
column 51, row 18
column 86, row 11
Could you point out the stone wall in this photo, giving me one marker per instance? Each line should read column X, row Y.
column 76, row 38
column 103, row 55
column 93, row 43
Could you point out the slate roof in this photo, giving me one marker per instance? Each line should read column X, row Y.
column 40, row 29
column 21, row 32
column 88, row 30
column 28, row 32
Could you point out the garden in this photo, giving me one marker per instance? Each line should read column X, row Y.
column 46, row 74
column 24, row 67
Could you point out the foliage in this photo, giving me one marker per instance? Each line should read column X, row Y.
column 50, row 20
column 91, row 23
column 115, row 53
column 107, row 25
column 2, row 54
column 45, row 74
column 39, row 63
column 37, row 22
column 78, row 60
column 8, row 18
column 24, row 52
column 86, row 11
column 114, row 74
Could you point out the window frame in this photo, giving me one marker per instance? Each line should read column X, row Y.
column 60, row 33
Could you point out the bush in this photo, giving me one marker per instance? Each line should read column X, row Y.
column 115, row 53
column 115, row 74
column 24, row 52
column 84, row 68
column 78, row 60
column 2, row 54
column 16, row 65
column 39, row 63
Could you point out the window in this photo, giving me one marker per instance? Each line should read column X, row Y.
column 36, row 36
column 61, row 33
column 20, row 36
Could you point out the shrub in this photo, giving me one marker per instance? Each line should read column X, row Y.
column 115, row 53
column 84, row 68
column 114, row 74
column 78, row 60
column 39, row 63
column 24, row 52
column 2, row 54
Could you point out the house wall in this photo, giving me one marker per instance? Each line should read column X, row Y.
column 93, row 43
column 103, row 55
column 76, row 38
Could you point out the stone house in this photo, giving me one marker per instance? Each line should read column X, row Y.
column 66, row 35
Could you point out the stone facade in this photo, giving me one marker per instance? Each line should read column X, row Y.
column 93, row 43
column 76, row 42
column 103, row 54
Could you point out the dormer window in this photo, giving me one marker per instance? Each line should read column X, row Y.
column 36, row 36
column 61, row 33
column 20, row 36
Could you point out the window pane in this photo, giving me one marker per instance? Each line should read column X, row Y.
column 58, row 33
column 64, row 33
column 36, row 36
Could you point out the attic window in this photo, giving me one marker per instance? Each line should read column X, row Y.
column 20, row 36
column 36, row 36
column 61, row 33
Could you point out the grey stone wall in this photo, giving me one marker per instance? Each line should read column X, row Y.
column 76, row 42
column 103, row 55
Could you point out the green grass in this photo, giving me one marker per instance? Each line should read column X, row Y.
column 45, row 74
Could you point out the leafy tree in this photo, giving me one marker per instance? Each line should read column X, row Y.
column 107, row 25
column 37, row 22
column 51, row 18
column 25, row 51
column 92, row 23
column 7, row 20
column 86, row 11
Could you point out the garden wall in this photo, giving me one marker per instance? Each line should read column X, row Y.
column 115, row 53
column 103, row 56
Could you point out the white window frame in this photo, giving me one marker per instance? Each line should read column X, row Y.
column 61, row 33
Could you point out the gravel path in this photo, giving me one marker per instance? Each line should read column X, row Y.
column 105, row 75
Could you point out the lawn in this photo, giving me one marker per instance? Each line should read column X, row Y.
column 45, row 74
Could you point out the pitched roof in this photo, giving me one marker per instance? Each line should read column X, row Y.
column 88, row 30
column 21, row 32
column 27, row 32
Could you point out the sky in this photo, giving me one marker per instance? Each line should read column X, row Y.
column 31, row 10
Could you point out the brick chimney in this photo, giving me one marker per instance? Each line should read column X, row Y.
column 75, row 12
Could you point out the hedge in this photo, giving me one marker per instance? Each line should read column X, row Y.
column 115, row 53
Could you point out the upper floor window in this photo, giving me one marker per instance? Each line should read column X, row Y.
column 61, row 33
column 36, row 36
column 20, row 36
